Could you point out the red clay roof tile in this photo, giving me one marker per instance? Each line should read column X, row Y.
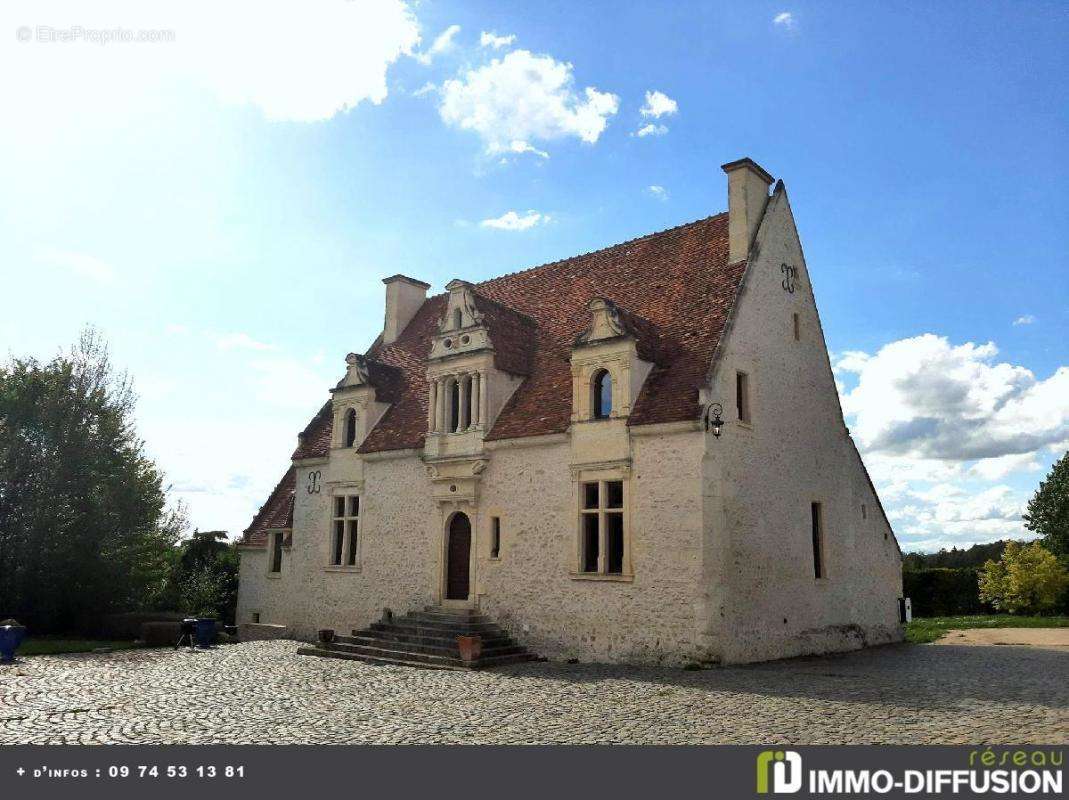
column 674, row 287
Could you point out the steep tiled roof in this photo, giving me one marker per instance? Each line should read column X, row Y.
column 674, row 290
column 276, row 513
column 677, row 281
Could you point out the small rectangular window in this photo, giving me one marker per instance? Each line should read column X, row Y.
column 495, row 537
column 742, row 396
column 818, row 540
column 255, row 617
column 276, row 552
column 797, row 329
column 864, row 512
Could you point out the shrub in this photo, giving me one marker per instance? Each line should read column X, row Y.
column 942, row 592
column 1027, row 579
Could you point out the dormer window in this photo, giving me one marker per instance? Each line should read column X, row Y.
column 610, row 361
column 601, row 400
column 350, row 427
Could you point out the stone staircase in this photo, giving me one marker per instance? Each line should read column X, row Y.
column 427, row 639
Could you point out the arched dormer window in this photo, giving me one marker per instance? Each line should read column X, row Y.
column 458, row 319
column 601, row 402
column 350, row 427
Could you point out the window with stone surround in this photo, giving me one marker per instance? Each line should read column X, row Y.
column 601, row 527
column 345, row 531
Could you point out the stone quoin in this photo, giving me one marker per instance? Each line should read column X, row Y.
column 533, row 455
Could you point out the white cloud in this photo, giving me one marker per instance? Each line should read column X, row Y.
column 925, row 398
column 940, row 423
column 1026, row 319
column 523, row 98
column 425, row 89
column 519, row 147
column 491, row 39
column 994, row 469
column 511, row 221
column 650, row 129
column 658, row 105
column 177, row 329
column 658, row 191
column 81, row 264
column 442, row 44
column 785, row 19
column 303, row 63
column 241, row 341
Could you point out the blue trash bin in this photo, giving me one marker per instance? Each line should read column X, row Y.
column 11, row 637
column 205, row 632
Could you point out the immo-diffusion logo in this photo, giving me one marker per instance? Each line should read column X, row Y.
column 785, row 767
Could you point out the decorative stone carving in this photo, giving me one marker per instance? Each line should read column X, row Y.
column 356, row 372
column 605, row 322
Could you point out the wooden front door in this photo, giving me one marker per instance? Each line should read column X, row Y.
column 458, row 558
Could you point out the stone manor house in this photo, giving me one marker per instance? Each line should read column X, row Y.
column 633, row 455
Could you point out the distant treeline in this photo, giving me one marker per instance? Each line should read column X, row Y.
column 975, row 556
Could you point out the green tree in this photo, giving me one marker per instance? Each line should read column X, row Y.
column 1027, row 579
column 206, row 558
column 1048, row 510
column 203, row 591
column 84, row 528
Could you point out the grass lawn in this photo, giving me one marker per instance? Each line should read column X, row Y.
column 928, row 629
column 53, row 645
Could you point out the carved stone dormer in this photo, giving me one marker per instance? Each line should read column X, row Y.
column 479, row 355
column 461, row 329
column 359, row 401
column 620, row 344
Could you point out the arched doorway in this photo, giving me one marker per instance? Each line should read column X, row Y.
column 458, row 558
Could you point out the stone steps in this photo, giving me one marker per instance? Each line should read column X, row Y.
column 363, row 643
column 427, row 639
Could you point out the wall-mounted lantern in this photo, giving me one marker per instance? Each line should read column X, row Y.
column 713, row 419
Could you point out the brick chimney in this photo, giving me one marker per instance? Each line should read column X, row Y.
column 747, row 196
column 404, row 296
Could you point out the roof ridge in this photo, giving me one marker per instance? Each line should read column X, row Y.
column 602, row 249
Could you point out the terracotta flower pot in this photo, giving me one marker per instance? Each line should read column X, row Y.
column 471, row 647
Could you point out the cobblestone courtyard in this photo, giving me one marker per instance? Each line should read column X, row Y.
column 262, row 692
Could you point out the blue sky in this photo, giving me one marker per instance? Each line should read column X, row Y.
column 221, row 203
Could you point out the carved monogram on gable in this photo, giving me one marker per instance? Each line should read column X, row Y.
column 790, row 275
column 313, row 482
